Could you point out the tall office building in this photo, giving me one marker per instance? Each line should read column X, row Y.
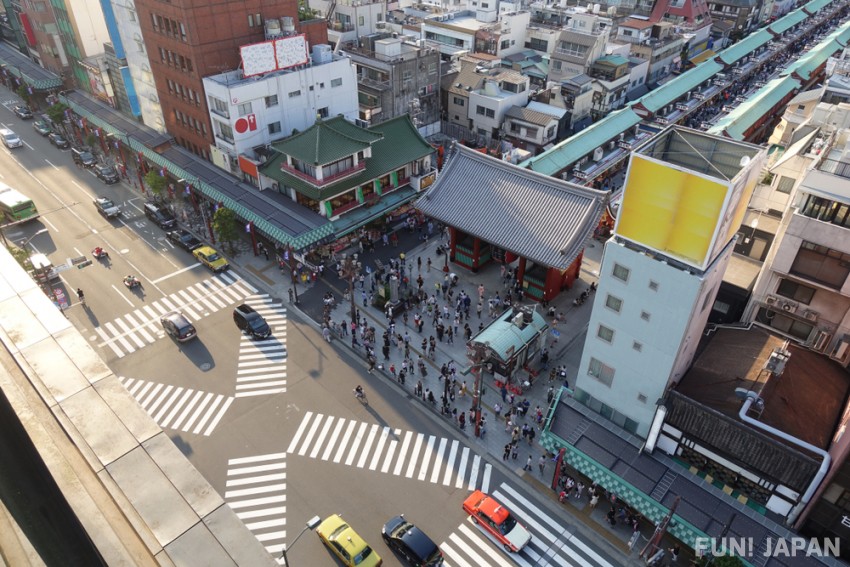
column 684, row 198
column 187, row 40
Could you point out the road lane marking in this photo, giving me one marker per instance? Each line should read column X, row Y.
column 172, row 274
column 344, row 444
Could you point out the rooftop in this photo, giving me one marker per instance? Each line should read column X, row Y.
column 327, row 141
column 564, row 214
column 805, row 401
column 531, row 116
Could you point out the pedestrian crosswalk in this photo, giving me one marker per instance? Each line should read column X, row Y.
column 551, row 543
column 261, row 369
column 391, row 451
column 183, row 409
column 256, row 491
column 133, row 331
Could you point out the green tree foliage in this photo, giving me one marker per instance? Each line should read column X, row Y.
column 155, row 182
column 56, row 112
column 226, row 225
column 24, row 93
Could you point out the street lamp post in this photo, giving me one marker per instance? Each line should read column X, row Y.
column 311, row 525
column 27, row 241
column 291, row 253
column 478, row 360
column 350, row 270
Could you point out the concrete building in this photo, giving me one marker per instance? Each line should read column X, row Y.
column 529, row 129
column 582, row 41
column 188, row 40
column 484, row 31
column 397, row 76
column 274, row 105
column 350, row 20
column 658, row 280
column 740, row 16
column 122, row 21
column 611, row 83
column 658, row 44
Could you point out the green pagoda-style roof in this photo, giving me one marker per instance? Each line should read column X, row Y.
column 327, row 141
column 398, row 143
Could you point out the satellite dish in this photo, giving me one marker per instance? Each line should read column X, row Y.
column 745, row 161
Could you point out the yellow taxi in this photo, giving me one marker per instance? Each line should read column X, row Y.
column 207, row 256
column 346, row 544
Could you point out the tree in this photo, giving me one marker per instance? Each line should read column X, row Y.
column 155, row 182
column 56, row 112
column 722, row 561
column 226, row 225
column 24, row 93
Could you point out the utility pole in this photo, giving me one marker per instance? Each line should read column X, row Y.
column 479, row 355
column 350, row 270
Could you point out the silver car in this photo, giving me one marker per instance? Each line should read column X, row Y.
column 10, row 139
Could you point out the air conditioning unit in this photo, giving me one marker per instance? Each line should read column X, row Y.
column 821, row 341
column 788, row 306
column 811, row 315
column 598, row 153
column 612, row 144
column 771, row 300
column 841, row 352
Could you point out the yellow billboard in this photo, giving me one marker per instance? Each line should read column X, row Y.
column 671, row 211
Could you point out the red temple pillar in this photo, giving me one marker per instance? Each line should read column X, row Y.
column 553, row 284
column 476, row 254
column 520, row 270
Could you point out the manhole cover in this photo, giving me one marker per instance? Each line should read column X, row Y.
column 205, row 366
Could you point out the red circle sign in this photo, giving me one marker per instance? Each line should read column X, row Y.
column 241, row 125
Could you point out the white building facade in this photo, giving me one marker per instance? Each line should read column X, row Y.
column 247, row 113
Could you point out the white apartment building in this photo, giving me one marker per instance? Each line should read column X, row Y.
column 499, row 92
column 659, row 279
column 251, row 112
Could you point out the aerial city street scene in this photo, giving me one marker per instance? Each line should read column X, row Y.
column 472, row 283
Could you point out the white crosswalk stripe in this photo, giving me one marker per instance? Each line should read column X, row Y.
column 183, row 409
column 261, row 369
column 135, row 330
column 256, row 491
column 551, row 544
column 384, row 449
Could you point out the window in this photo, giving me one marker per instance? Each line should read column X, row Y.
column 182, row 32
column 797, row 292
column 360, row 21
column 601, row 372
column 274, row 128
column 621, row 272
column 336, row 82
column 480, row 110
column 785, row 184
column 614, row 303
column 294, row 94
column 821, row 264
column 406, row 76
column 131, row 15
column 637, row 346
column 219, row 106
column 271, row 101
column 653, row 285
column 323, row 112
column 641, row 398
column 223, row 131
column 644, row 315
column 250, row 20
column 258, row 19
column 605, row 334
column 826, row 210
column 459, row 101
column 244, row 109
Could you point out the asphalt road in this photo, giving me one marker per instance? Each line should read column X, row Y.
column 272, row 424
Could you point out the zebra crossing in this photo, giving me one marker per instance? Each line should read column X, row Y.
column 551, row 543
column 261, row 369
column 133, row 331
column 256, row 491
column 391, row 451
column 183, row 409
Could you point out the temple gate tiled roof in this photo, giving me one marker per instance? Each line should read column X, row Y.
column 536, row 216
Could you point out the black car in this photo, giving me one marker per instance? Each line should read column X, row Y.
column 160, row 215
column 106, row 173
column 184, row 239
column 251, row 322
column 22, row 111
column 58, row 140
column 411, row 543
column 83, row 157
column 178, row 326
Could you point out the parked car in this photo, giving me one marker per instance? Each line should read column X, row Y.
column 83, row 157
column 58, row 140
column 10, row 139
column 22, row 111
column 496, row 520
column 411, row 543
column 106, row 207
column 251, row 322
column 184, row 239
column 208, row 256
column 160, row 215
column 106, row 173
column 346, row 544
column 178, row 326
column 41, row 127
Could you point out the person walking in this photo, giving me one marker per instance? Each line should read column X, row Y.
column 326, row 333
column 507, row 452
column 527, row 466
column 541, row 463
column 594, row 500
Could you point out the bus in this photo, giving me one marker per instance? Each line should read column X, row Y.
column 16, row 206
